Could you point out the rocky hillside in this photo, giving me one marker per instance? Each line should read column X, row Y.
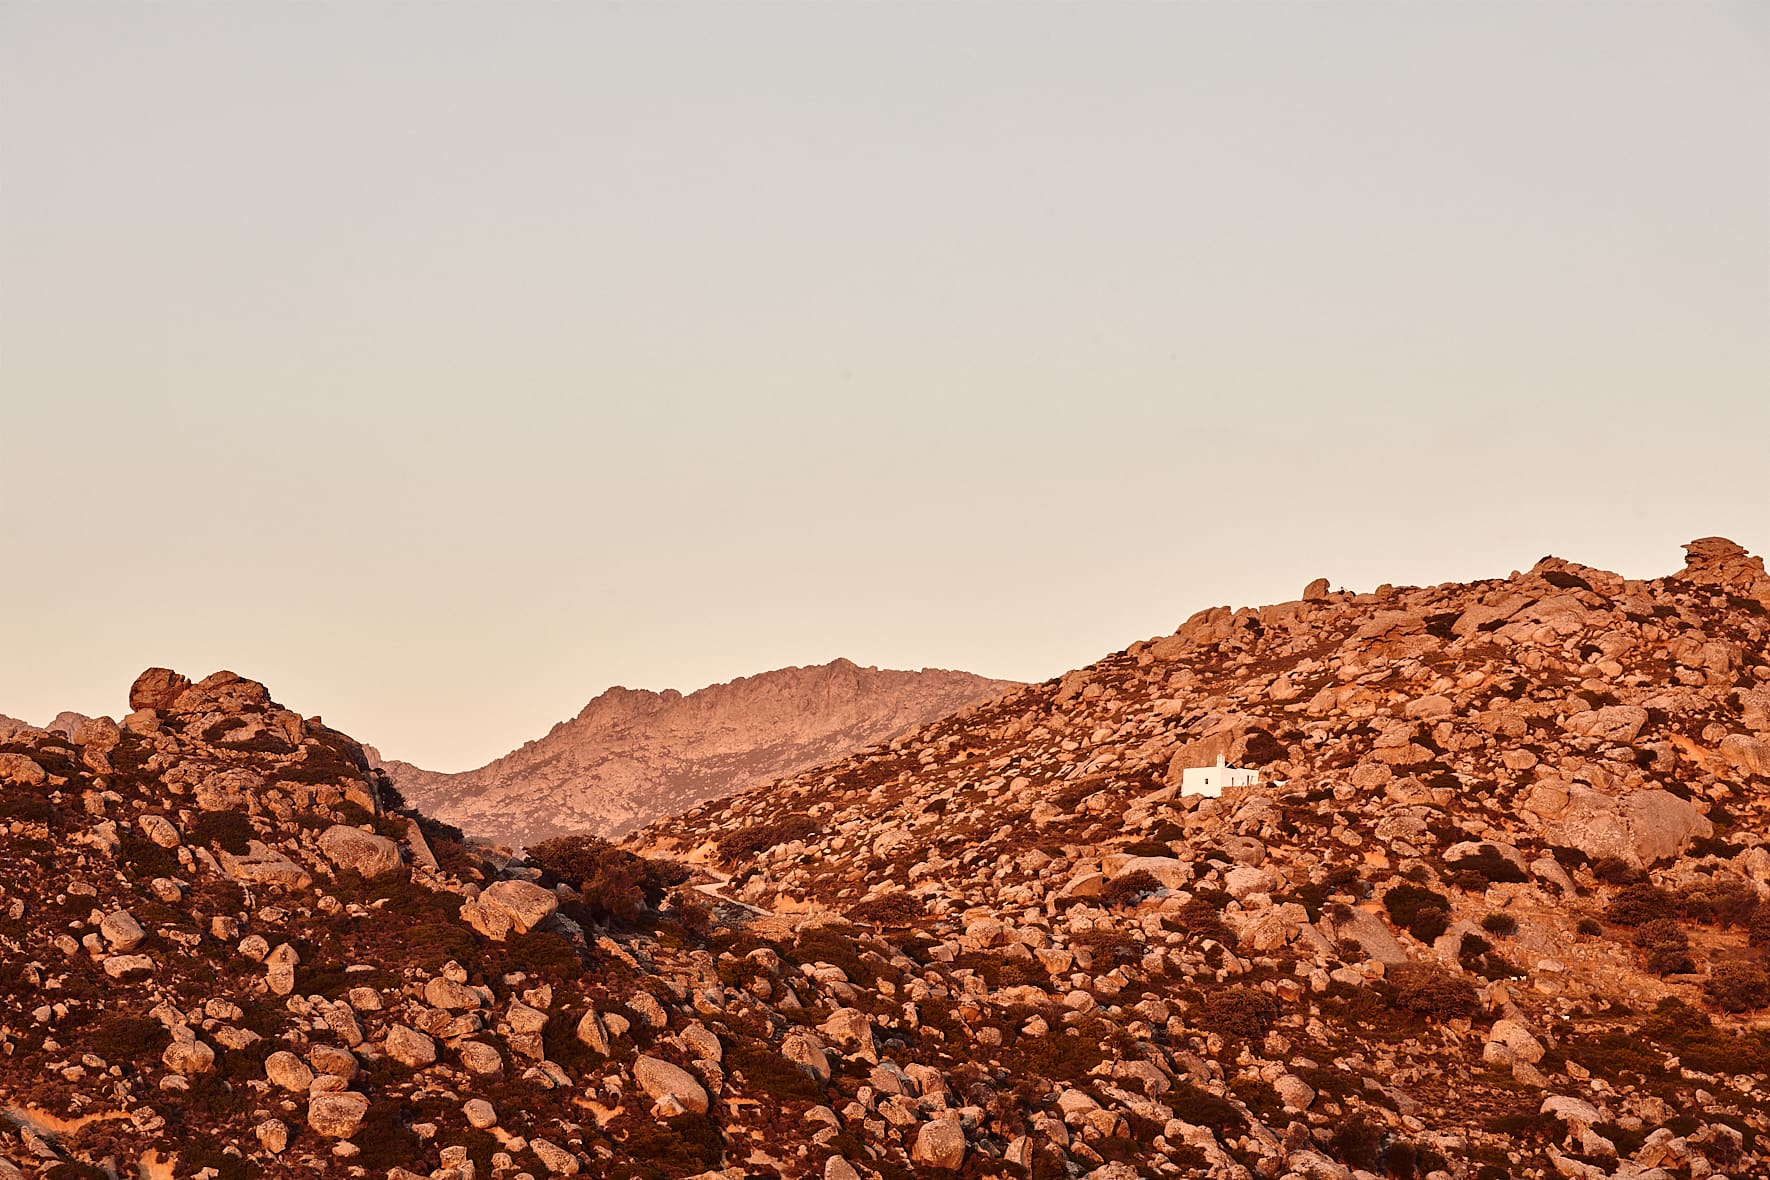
column 1498, row 908
column 631, row 756
column 1498, row 911
column 224, row 955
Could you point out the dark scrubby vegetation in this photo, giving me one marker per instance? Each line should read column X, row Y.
column 1069, row 1055
column 1433, row 992
column 1108, row 947
column 328, row 757
column 1422, row 912
column 1205, row 1109
column 614, row 884
column 1239, row 1010
column 145, row 859
column 1612, row 870
column 740, row 843
column 890, row 909
column 1665, row 947
column 1689, row 1033
column 766, row 1072
column 1002, row 971
column 386, row 1136
column 1129, row 889
column 25, row 807
column 1737, row 987
column 1721, row 901
column 1638, row 903
column 1487, row 866
column 1199, row 919
column 544, row 954
column 649, row 1149
column 827, row 944
column 120, row 1037
column 230, row 830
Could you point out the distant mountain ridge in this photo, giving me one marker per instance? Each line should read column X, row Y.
column 631, row 756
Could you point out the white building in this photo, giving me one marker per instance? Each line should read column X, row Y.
column 1210, row 780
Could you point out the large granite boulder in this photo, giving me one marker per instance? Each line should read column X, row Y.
column 353, row 850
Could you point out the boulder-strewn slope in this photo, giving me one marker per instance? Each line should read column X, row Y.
column 1498, row 910
column 631, row 755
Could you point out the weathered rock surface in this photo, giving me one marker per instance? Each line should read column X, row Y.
column 508, row 906
column 665, row 1083
column 354, row 850
column 338, row 1114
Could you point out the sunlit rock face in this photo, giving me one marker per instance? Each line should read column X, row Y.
column 632, row 756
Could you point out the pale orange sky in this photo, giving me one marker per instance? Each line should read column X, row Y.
column 441, row 365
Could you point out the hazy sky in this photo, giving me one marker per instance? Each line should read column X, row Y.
column 443, row 364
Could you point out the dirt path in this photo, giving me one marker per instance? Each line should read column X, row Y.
column 53, row 1128
column 713, row 887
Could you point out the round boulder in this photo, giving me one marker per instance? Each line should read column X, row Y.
column 288, row 1072
column 410, row 1047
column 356, row 851
column 940, row 1144
column 188, row 1056
column 481, row 1058
column 337, row 1115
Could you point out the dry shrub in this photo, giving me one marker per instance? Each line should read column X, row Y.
column 1488, row 864
column 230, row 829
column 767, row 1072
column 1613, row 870
column 1429, row 923
column 1666, row 946
column 1108, row 946
column 1203, row 1108
column 1199, row 919
column 745, row 842
column 1700, row 1045
column 1433, row 992
column 1719, row 901
column 826, row 944
column 890, row 909
column 1737, row 987
column 1638, row 903
column 691, row 910
column 1240, row 1011
column 1130, row 888
column 682, row 1144
column 1501, row 924
column 1422, row 912
column 1358, row 1142
column 615, row 883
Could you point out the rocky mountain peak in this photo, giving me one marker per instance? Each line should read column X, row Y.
column 631, row 755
